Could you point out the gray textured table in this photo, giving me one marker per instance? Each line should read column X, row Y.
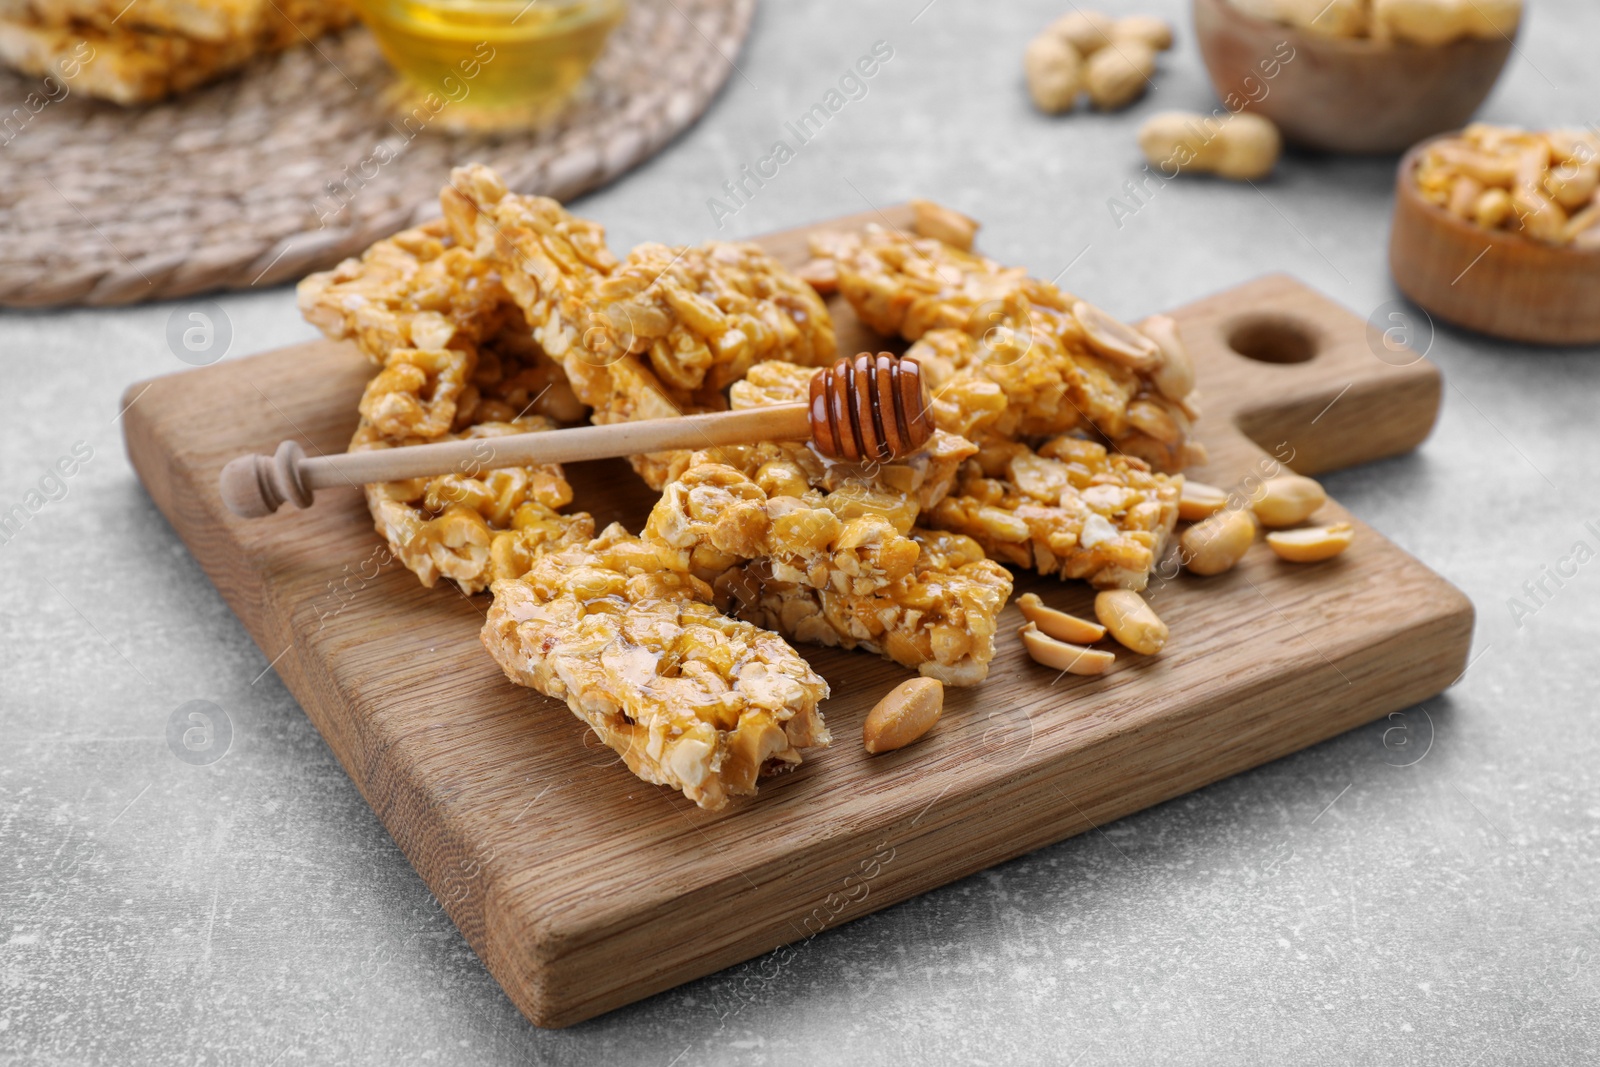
column 1419, row 891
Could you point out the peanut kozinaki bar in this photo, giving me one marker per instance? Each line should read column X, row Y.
column 458, row 363
column 205, row 20
column 1007, row 355
column 419, row 291
column 1071, row 508
column 140, row 51
column 663, row 332
column 687, row 696
column 828, row 552
column 826, row 524
column 473, row 526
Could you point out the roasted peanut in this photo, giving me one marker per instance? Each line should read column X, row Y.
column 1002, row 525
column 1539, row 184
column 1156, row 420
column 1287, row 499
column 1062, row 655
column 1331, row 18
column 1424, row 22
column 943, row 224
column 1148, row 29
column 1327, row 17
column 1312, row 544
column 1541, row 218
column 1130, row 620
column 1116, row 341
column 1573, row 184
column 1491, row 19
column 1054, row 70
column 1058, row 624
column 1200, row 501
column 1216, row 544
column 1241, row 146
column 1119, row 74
column 822, row 274
column 1174, row 141
column 1251, row 145
column 1463, row 195
column 1437, row 22
column 1492, row 208
column 1112, row 59
column 1174, row 378
column 1086, row 31
column 1261, row 9
column 908, row 711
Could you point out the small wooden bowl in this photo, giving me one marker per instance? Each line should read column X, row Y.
column 1497, row 283
column 1337, row 94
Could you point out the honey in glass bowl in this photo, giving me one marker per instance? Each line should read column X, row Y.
column 490, row 64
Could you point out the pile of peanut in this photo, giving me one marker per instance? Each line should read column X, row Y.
column 1424, row 22
column 1223, row 530
column 1543, row 185
column 1224, row 527
column 1239, row 146
column 1060, row 641
column 1110, row 59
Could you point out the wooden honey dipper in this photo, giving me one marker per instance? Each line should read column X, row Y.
column 866, row 408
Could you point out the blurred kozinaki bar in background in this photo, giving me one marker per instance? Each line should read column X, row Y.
column 149, row 49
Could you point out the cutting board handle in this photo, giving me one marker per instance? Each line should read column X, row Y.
column 1299, row 376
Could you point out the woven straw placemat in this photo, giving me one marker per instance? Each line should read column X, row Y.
column 228, row 187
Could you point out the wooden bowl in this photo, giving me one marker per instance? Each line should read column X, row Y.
column 1491, row 281
column 1339, row 94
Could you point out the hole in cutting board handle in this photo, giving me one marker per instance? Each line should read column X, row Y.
column 1272, row 338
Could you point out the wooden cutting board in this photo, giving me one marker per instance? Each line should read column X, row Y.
column 583, row 888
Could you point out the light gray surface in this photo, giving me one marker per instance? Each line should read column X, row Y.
column 1332, row 907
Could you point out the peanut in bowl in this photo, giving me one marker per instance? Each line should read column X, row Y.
column 1340, row 91
column 1504, row 245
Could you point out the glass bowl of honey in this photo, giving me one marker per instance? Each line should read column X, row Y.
column 485, row 65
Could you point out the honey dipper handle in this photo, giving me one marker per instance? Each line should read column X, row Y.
column 254, row 486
